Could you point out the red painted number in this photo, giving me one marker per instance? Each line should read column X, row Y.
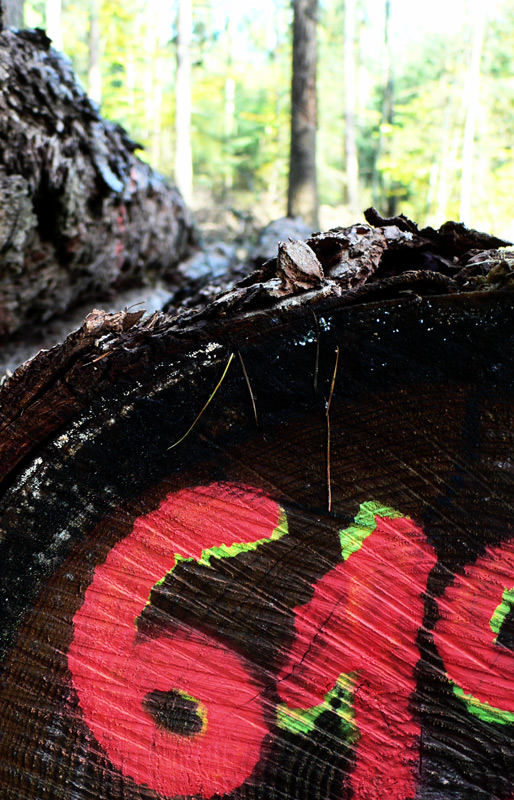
column 114, row 668
column 364, row 618
column 471, row 609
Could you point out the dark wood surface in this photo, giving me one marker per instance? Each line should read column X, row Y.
column 420, row 423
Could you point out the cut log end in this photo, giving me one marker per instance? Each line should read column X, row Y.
column 262, row 549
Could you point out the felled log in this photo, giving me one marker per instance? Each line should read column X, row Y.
column 263, row 549
column 80, row 214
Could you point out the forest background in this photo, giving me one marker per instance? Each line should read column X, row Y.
column 425, row 90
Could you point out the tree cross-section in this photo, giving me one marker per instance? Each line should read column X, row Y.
column 264, row 549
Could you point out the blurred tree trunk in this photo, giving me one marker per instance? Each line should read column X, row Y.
column 11, row 13
column 80, row 215
column 472, row 102
column 449, row 158
column 303, row 189
column 183, row 152
column 352, row 164
column 388, row 116
column 53, row 9
column 229, row 110
column 152, row 83
column 94, row 77
column 436, row 171
column 275, row 186
column 383, row 194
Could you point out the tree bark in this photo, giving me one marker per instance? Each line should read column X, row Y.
column 260, row 549
column 383, row 193
column 183, row 152
column 79, row 213
column 388, row 117
column 11, row 13
column 303, row 189
column 350, row 83
column 387, row 259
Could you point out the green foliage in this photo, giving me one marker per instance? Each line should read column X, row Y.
column 420, row 161
column 241, row 58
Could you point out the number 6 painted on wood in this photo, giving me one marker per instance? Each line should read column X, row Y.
column 128, row 685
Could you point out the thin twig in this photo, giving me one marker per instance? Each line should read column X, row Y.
column 327, row 415
column 332, row 385
column 247, row 379
column 186, row 434
column 98, row 358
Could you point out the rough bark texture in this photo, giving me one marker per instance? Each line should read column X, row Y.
column 359, row 264
column 79, row 213
column 234, row 541
column 303, row 190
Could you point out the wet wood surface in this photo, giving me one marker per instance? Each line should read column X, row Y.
column 264, row 551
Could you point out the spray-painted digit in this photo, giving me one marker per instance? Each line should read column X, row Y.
column 363, row 620
column 178, row 712
column 472, row 612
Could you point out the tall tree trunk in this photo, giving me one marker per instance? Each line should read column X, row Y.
column 382, row 194
column 472, row 100
column 229, row 117
column 229, row 110
column 151, row 83
column 11, row 13
column 53, row 9
column 436, row 169
column 352, row 164
column 94, row 76
column 183, row 152
column 303, row 189
column 275, row 185
column 390, row 198
column 155, row 140
column 449, row 158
